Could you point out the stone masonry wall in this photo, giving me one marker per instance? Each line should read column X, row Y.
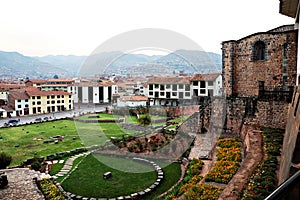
column 265, row 113
column 241, row 74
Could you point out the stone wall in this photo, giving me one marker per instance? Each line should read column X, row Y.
column 265, row 113
column 242, row 73
column 272, row 114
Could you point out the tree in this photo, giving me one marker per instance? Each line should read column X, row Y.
column 5, row 160
column 144, row 120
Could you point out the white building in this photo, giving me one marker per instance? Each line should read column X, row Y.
column 206, row 85
column 94, row 92
column 132, row 101
column 19, row 101
column 168, row 90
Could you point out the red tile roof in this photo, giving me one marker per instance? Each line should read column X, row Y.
column 204, row 77
column 33, row 91
column 169, row 80
column 18, row 94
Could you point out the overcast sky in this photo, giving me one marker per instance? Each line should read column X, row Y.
column 37, row 28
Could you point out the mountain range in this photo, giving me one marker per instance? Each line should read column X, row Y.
column 16, row 65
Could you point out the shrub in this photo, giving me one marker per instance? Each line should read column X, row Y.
column 5, row 160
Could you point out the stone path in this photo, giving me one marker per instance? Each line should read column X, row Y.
column 68, row 165
column 21, row 185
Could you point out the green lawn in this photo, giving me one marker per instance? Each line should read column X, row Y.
column 30, row 138
column 89, row 176
column 103, row 116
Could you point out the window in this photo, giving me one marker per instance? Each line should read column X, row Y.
column 70, row 96
column 26, row 100
column 174, row 87
column 52, row 97
column 38, row 103
column 202, row 84
column 162, row 87
column 33, row 103
column 58, row 96
column 26, row 106
column 156, row 86
column 259, row 49
column 187, row 87
column 33, row 97
column 19, row 106
column 180, row 86
column 195, row 83
column 52, row 102
column 70, row 101
column 48, row 97
column 58, row 101
column 174, row 94
column 19, row 100
column 63, row 101
column 210, row 83
column 62, row 96
column 162, row 93
column 187, row 94
column 151, row 87
column 181, row 95
column 150, row 93
column 202, row 91
column 168, row 86
column 48, row 102
column 38, row 97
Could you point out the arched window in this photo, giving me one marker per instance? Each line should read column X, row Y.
column 259, row 49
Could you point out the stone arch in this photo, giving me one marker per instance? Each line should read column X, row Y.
column 259, row 51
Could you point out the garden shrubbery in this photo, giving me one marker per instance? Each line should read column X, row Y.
column 50, row 190
column 5, row 160
column 264, row 181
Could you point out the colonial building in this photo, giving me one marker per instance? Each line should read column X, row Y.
column 206, row 84
column 177, row 90
column 58, row 84
column 264, row 61
column 19, row 102
column 132, row 101
column 94, row 92
column 48, row 101
column 169, row 90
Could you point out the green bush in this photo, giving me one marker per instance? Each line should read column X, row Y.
column 5, row 160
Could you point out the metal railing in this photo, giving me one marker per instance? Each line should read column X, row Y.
column 287, row 188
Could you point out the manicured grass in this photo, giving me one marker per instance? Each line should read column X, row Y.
column 30, row 139
column 55, row 168
column 89, row 176
column 172, row 174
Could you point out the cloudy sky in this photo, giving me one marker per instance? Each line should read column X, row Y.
column 38, row 28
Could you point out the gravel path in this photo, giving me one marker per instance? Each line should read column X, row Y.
column 21, row 185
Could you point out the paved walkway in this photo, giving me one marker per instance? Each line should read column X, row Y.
column 21, row 185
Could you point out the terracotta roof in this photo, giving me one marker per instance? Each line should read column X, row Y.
column 134, row 98
column 7, row 87
column 18, row 94
column 32, row 91
column 55, row 85
column 37, row 81
column 60, row 80
column 204, row 77
column 168, row 80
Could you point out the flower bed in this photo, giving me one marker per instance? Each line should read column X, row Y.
column 228, row 157
column 50, row 190
column 264, row 181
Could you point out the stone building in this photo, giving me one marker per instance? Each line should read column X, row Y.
column 261, row 61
